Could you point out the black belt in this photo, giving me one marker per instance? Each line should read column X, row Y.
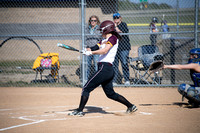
column 105, row 63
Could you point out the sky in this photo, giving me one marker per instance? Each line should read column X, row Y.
column 173, row 3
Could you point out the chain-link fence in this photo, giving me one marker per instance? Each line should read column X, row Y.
column 30, row 30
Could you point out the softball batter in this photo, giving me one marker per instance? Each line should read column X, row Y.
column 107, row 49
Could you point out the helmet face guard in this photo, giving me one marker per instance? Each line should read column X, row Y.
column 195, row 55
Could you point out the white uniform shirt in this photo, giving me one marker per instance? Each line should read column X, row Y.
column 110, row 56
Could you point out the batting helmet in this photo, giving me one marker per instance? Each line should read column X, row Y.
column 195, row 51
column 155, row 19
column 106, row 27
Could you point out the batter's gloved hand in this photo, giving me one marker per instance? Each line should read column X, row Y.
column 156, row 66
column 85, row 52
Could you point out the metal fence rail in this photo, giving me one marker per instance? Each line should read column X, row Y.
column 28, row 29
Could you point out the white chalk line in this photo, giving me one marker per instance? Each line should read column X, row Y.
column 21, row 125
column 145, row 113
column 39, row 121
column 5, row 109
column 122, row 111
column 48, row 117
column 34, row 120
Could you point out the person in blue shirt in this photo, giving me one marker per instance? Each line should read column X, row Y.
column 191, row 92
column 165, row 28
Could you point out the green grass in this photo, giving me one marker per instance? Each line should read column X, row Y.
column 16, row 63
column 71, row 62
column 29, row 63
column 25, row 66
column 144, row 39
column 185, row 16
column 170, row 19
column 26, row 84
column 18, row 72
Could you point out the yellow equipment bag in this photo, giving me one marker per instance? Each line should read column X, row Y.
column 47, row 61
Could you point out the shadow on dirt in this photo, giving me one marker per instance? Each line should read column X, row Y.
column 94, row 109
column 180, row 104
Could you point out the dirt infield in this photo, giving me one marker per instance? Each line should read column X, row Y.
column 44, row 110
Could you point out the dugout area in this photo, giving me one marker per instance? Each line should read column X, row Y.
column 45, row 110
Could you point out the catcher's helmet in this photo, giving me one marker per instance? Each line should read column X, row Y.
column 155, row 19
column 194, row 51
column 106, row 27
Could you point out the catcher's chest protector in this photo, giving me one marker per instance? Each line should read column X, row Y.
column 195, row 77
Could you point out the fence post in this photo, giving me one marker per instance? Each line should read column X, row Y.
column 83, row 72
column 177, row 16
column 172, row 60
column 196, row 23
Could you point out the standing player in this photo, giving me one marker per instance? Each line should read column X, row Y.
column 107, row 49
column 165, row 28
column 153, row 29
column 191, row 92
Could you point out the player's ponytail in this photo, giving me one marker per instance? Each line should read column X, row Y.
column 116, row 34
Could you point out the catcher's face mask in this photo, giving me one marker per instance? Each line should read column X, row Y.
column 194, row 58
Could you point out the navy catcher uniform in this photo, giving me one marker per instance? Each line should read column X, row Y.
column 107, row 49
column 191, row 92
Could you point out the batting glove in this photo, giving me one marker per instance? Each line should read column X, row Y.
column 85, row 52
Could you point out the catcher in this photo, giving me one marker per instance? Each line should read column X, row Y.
column 191, row 92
